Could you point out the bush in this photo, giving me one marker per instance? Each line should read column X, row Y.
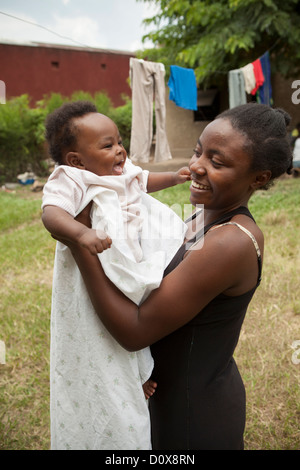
column 21, row 138
column 22, row 128
column 122, row 117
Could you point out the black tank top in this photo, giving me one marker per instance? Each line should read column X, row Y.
column 199, row 402
column 221, row 220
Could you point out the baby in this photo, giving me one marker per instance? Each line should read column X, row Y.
column 93, row 166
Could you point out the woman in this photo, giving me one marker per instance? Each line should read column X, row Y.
column 193, row 320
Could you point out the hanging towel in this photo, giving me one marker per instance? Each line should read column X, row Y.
column 249, row 77
column 183, row 87
column 148, row 84
column 259, row 76
column 265, row 91
column 236, row 85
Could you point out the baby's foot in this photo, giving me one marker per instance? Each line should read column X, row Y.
column 149, row 388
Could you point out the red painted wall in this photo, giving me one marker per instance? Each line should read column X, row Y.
column 42, row 69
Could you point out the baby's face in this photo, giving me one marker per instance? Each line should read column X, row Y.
column 99, row 145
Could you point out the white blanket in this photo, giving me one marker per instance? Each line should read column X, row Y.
column 97, row 401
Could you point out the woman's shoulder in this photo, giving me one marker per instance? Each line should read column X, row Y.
column 237, row 236
column 249, row 224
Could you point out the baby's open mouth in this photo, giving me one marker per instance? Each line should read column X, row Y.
column 118, row 168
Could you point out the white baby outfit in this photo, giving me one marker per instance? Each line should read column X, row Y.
column 96, row 395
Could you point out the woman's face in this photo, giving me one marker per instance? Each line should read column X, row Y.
column 220, row 168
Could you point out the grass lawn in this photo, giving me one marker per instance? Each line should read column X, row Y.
column 268, row 363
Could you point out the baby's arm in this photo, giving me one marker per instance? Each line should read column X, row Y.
column 162, row 180
column 62, row 225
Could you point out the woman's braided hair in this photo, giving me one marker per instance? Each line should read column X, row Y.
column 265, row 129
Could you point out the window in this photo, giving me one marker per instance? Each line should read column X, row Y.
column 208, row 102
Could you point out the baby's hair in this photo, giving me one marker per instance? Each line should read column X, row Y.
column 265, row 129
column 61, row 132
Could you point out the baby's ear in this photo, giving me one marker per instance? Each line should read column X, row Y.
column 73, row 159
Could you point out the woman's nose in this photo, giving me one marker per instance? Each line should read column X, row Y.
column 197, row 165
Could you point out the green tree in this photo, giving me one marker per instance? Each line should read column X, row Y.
column 213, row 37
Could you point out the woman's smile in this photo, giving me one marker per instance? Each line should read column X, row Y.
column 200, row 186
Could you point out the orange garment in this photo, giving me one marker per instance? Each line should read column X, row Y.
column 259, row 76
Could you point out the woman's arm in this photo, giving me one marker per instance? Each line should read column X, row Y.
column 220, row 265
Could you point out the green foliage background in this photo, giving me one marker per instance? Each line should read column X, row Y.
column 215, row 37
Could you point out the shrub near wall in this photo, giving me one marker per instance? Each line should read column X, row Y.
column 21, row 138
column 122, row 116
column 22, row 128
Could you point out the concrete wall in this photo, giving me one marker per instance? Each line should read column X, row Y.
column 182, row 131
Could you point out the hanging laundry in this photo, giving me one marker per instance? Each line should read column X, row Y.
column 236, row 85
column 249, row 77
column 183, row 87
column 265, row 91
column 259, row 76
column 148, row 84
column 257, row 81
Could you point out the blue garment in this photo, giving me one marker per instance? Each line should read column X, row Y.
column 264, row 94
column 183, row 87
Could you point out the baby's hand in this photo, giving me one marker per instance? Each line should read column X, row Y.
column 95, row 241
column 149, row 388
column 183, row 175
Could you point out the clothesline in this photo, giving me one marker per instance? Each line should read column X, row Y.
column 254, row 78
column 225, row 72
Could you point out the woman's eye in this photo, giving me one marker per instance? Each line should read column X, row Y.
column 215, row 163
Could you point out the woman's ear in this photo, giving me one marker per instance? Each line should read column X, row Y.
column 73, row 159
column 261, row 179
